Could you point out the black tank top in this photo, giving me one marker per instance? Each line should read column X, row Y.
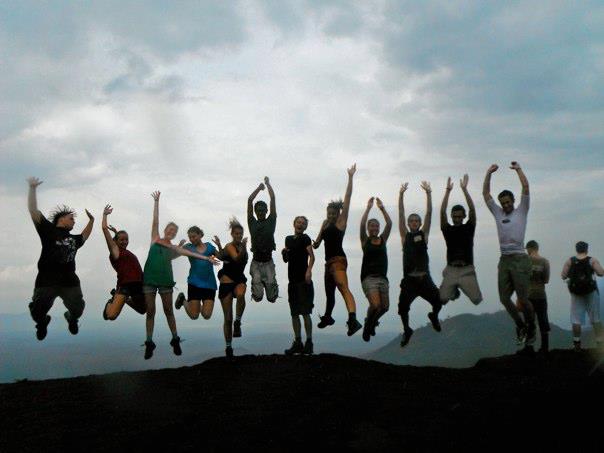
column 415, row 253
column 333, row 238
column 375, row 259
column 234, row 269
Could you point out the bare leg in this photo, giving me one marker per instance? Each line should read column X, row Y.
column 240, row 295
column 166, row 300
column 207, row 308
column 114, row 308
column 150, row 320
column 341, row 281
column 192, row 307
column 227, row 309
column 297, row 326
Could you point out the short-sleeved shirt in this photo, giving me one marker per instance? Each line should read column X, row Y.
column 539, row 275
column 460, row 242
column 201, row 273
column 57, row 266
column 297, row 257
column 128, row 268
column 511, row 227
column 262, row 233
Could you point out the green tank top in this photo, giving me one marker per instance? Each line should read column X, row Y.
column 158, row 267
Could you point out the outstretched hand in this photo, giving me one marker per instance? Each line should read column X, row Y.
column 156, row 195
column 449, row 184
column 90, row 216
column 463, row 182
column 266, row 181
column 34, row 182
column 426, row 186
column 261, row 186
column 493, row 168
column 370, row 203
column 379, row 203
column 352, row 170
column 514, row 166
column 215, row 261
column 108, row 210
column 182, row 242
column 404, row 188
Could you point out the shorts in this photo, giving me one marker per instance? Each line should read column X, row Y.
column 133, row 290
column 540, row 307
column 264, row 278
column 585, row 305
column 226, row 289
column 376, row 284
column 513, row 275
column 337, row 263
column 413, row 287
column 197, row 293
column 153, row 289
column 460, row 278
column 301, row 296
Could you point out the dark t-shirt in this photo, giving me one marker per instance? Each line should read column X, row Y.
column 297, row 257
column 415, row 254
column 263, row 237
column 56, row 266
column 460, row 242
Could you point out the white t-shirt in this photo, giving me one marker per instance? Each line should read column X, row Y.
column 511, row 227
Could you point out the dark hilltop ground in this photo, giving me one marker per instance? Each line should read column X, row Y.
column 278, row 403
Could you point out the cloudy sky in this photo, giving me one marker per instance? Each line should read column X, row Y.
column 108, row 101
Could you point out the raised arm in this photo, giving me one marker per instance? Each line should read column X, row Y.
column 250, row 202
column 523, row 179
column 32, row 200
column 388, row 227
column 471, row 208
column 363, row 231
column 114, row 250
column 445, row 203
column 343, row 218
column 428, row 219
column 88, row 228
column 402, row 221
column 155, row 223
column 271, row 194
column 486, row 186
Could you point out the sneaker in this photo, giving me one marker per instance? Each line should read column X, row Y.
column 433, row 317
column 520, row 335
column 72, row 324
column 105, row 317
column 366, row 331
column 531, row 335
column 297, row 348
column 406, row 337
column 149, row 348
column 179, row 302
column 175, row 343
column 42, row 328
column 326, row 321
column 577, row 346
column 229, row 352
column 353, row 326
column 308, row 348
column 237, row 329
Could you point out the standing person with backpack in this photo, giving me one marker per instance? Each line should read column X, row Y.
column 579, row 272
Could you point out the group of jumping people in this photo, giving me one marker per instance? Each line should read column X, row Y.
column 521, row 270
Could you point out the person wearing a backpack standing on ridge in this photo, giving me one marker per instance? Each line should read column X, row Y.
column 539, row 278
column 579, row 270
column 514, row 268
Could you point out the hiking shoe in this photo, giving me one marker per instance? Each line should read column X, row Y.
column 149, row 348
column 366, row 331
column 531, row 335
column 72, row 324
column 353, row 326
column 42, row 328
column 520, row 335
column 297, row 348
column 527, row 351
column 229, row 352
column 237, row 329
column 326, row 321
column 433, row 317
column 406, row 337
column 179, row 302
column 175, row 343
column 308, row 348
column 577, row 346
column 373, row 326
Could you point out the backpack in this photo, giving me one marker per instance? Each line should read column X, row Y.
column 580, row 274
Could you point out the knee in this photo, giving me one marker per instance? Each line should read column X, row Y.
column 228, row 320
column 150, row 312
column 385, row 307
column 111, row 316
column 206, row 315
column 194, row 315
column 476, row 300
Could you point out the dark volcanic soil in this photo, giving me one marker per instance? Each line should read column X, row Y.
column 278, row 403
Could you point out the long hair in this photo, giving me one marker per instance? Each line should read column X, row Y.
column 234, row 223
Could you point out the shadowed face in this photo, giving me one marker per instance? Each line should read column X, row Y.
column 373, row 228
column 300, row 225
column 261, row 210
column 332, row 215
column 67, row 222
column 237, row 235
column 122, row 240
column 170, row 231
column 457, row 217
column 414, row 223
column 507, row 204
column 194, row 237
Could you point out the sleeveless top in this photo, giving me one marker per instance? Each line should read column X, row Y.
column 375, row 259
column 127, row 267
column 333, row 238
column 415, row 254
column 234, row 269
column 158, row 267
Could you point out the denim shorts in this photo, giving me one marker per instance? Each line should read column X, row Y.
column 153, row 289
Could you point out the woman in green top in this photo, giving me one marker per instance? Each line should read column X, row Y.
column 375, row 267
column 158, row 276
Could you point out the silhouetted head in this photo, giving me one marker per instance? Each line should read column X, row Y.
column 458, row 214
column 581, row 247
column 506, row 200
column 63, row 217
column 334, row 208
column 195, row 234
column 532, row 247
column 170, row 231
column 300, row 224
column 414, row 222
column 261, row 209
column 236, row 230
column 373, row 228
column 121, row 239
